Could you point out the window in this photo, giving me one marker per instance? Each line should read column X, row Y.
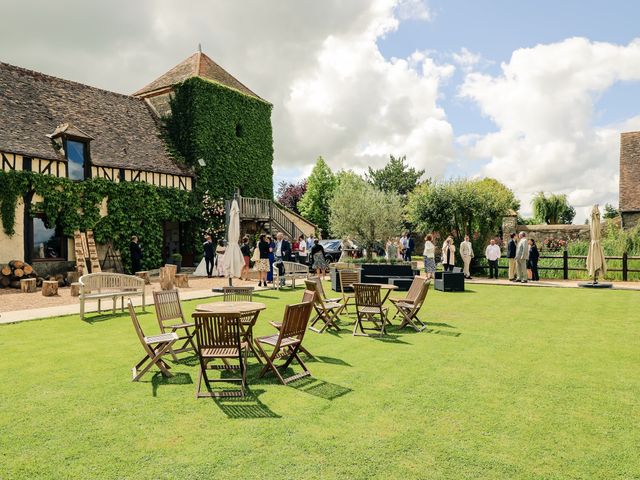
column 48, row 243
column 76, row 159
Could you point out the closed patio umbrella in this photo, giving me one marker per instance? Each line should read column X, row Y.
column 596, row 264
column 233, row 259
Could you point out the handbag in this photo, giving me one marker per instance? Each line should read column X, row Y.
column 256, row 254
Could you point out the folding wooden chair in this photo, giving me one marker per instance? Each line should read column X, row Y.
column 347, row 279
column 218, row 336
column 412, row 294
column 307, row 297
column 410, row 310
column 326, row 312
column 320, row 289
column 171, row 319
column 237, row 294
column 369, row 308
column 155, row 347
column 287, row 342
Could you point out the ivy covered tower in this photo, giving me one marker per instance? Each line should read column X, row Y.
column 217, row 125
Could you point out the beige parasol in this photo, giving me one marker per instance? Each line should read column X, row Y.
column 233, row 260
column 596, row 264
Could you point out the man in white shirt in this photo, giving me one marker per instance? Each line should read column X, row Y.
column 466, row 252
column 493, row 254
column 522, row 255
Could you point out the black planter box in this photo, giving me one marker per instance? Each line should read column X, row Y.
column 449, row 281
column 379, row 273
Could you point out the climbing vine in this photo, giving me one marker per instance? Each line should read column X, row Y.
column 134, row 208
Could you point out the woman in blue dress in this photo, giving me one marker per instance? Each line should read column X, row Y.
column 272, row 258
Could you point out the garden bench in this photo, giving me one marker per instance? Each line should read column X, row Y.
column 291, row 271
column 97, row 286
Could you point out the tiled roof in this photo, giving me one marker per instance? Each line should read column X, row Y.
column 123, row 130
column 630, row 171
column 197, row 65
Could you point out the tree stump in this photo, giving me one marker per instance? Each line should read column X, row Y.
column 49, row 288
column 28, row 285
column 182, row 280
column 145, row 276
column 75, row 289
column 167, row 277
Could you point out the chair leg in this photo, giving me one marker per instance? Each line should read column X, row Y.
column 159, row 351
column 270, row 365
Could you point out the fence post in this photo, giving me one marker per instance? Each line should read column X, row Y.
column 625, row 266
column 565, row 264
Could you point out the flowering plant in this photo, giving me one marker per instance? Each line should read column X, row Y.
column 554, row 244
column 213, row 216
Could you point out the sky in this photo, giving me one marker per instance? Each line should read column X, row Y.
column 532, row 93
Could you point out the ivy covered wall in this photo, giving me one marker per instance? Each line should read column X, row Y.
column 230, row 131
column 134, row 208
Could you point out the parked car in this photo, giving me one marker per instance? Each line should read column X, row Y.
column 333, row 249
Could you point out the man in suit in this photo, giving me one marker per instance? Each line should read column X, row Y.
column 466, row 252
column 209, row 252
column 281, row 253
column 522, row 255
column 511, row 256
column 411, row 245
column 136, row 254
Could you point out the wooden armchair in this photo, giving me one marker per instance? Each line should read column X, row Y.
column 412, row 294
column 307, row 297
column 369, row 308
column 218, row 336
column 410, row 310
column 171, row 319
column 286, row 344
column 237, row 294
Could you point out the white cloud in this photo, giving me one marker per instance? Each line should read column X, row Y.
column 467, row 59
column 543, row 105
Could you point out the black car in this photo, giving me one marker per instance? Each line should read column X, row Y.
column 333, row 250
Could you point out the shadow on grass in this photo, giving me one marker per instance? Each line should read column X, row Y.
column 92, row 318
column 179, row 378
column 320, row 388
column 329, row 360
column 442, row 332
column 248, row 406
column 190, row 361
column 436, row 324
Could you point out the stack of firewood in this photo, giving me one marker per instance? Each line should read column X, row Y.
column 14, row 271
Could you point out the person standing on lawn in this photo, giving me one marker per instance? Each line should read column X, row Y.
column 282, row 253
column 209, row 252
column 317, row 256
column 262, row 263
column 492, row 253
column 466, row 252
column 522, row 255
column 534, row 255
column 511, row 257
column 302, row 250
column 429, row 256
column 411, row 245
column 448, row 254
column 246, row 256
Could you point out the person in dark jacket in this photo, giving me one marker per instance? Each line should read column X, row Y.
column 209, row 253
column 534, row 255
column 136, row 254
column 246, row 256
column 411, row 245
column 511, row 255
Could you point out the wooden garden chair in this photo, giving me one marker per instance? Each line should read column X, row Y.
column 287, row 343
column 412, row 294
column 410, row 310
column 218, row 337
column 320, row 289
column 307, row 297
column 171, row 320
column 347, row 279
column 237, row 294
column 326, row 312
column 369, row 308
column 154, row 347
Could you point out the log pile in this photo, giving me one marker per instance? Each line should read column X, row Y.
column 14, row 271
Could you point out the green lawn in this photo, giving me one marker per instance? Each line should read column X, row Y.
column 507, row 383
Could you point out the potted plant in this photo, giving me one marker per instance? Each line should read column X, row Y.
column 176, row 259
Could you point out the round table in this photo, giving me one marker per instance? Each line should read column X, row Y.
column 385, row 286
column 230, row 307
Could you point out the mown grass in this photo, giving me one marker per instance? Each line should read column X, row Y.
column 507, row 382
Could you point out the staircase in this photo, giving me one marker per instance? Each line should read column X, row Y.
column 272, row 217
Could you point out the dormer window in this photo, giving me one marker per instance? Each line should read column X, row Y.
column 73, row 143
column 76, row 159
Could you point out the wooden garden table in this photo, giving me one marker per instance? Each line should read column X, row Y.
column 388, row 289
column 230, row 307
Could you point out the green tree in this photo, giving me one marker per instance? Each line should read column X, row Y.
column 396, row 176
column 610, row 211
column 459, row 207
column 367, row 214
column 553, row 209
column 314, row 204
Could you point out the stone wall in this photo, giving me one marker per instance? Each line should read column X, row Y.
column 561, row 232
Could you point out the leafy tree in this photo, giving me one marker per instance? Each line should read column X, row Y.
column 367, row 214
column 395, row 176
column 610, row 211
column 553, row 209
column 314, row 204
column 459, row 207
column 290, row 194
